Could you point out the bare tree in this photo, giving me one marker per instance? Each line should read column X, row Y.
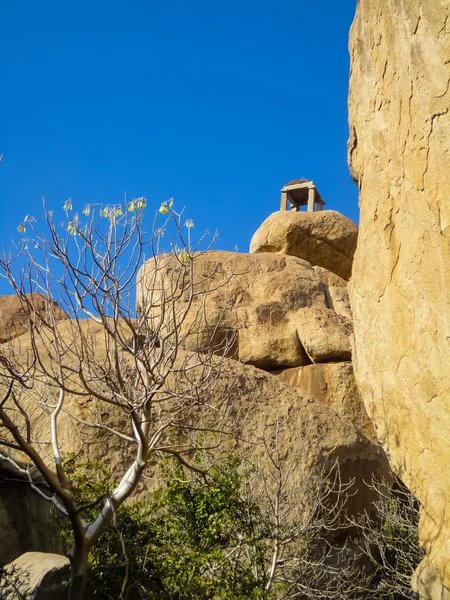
column 317, row 546
column 99, row 366
column 308, row 554
column 388, row 539
column 322, row 549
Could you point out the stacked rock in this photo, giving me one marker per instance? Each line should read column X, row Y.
column 285, row 304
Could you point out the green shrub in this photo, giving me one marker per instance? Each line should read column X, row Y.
column 205, row 538
column 191, row 540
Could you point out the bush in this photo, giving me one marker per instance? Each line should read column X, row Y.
column 205, row 538
column 191, row 540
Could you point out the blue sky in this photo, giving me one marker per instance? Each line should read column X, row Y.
column 216, row 104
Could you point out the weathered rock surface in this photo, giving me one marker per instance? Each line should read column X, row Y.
column 308, row 432
column 26, row 520
column 324, row 334
column 260, row 305
column 13, row 315
column 335, row 291
column 400, row 287
column 334, row 385
column 37, row 576
column 325, row 238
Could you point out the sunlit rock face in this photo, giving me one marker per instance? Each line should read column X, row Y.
column 43, row 576
column 399, row 155
column 14, row 316
column 324, row 238
column 281, row 311
column 333, row 384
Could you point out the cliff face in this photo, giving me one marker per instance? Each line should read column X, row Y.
column 399, row 154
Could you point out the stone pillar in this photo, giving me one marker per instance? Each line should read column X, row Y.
column 311, row 198
column 284, row 201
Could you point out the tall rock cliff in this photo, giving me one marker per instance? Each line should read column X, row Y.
column 399, row 154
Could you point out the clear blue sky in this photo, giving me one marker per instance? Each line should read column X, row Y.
column 216, row 104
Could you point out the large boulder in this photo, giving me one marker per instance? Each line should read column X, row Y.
column 258, row 412
column 264, row 302
column 334, row 385
column 324, row 334
column 36, row 576
column 400, row 289
column 325, row 238
column 14, row 316
column 306, row 435
column 26, row 520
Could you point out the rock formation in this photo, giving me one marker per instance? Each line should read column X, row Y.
column 279, row 309
column 325, row 238
column 334, row 385
column 38, row 576
column 319, row 435
column 13, row 315
column 26, row 519
column 287, row 327
column 311, row 434
column 400, row 290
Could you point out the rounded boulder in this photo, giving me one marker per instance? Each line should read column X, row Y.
column 324, row 238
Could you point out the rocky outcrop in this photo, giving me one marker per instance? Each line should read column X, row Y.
column 26, row 519
column 324, row 334
column 334, row 385
column 14, row 316
column 311, row 436
column 264, row 311
column 325, row 238
column 273, row 307
column 335, row 291
column 400, row 289
column 36, row 576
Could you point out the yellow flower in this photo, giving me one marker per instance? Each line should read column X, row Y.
column 189, row 223
column 68, row 204
column 171, row 202
column 22, row 228
column 119, row 211
column 164, row 209
column 184, row 256
column 141, row 203
column 87, row 210
column 132, row 206
column 71, row 228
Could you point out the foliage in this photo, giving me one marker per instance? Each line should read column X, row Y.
column 206, row 538
column 192, row 540
column 220, row 536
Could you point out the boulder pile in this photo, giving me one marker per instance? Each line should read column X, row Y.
column 284, row 305
column 283, row 319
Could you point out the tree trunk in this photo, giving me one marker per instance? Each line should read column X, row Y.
column 79, row 567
